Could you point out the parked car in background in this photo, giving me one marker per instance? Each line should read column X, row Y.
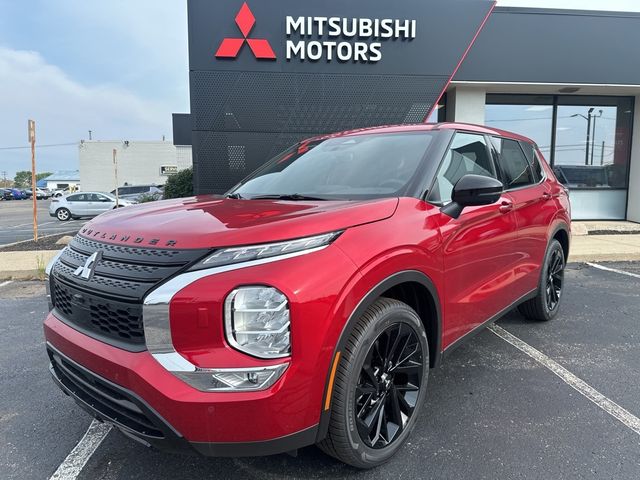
column 27, row 194
column 84, row 204
column 40, row 194
column 18, row 195
column 136, row 192
column 7, row 194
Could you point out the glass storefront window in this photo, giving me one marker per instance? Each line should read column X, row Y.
column 589, row 149
column 532, row 118
column 592, row 144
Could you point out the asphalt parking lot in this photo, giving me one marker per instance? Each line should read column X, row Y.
column 492, row 410
column 16, row 221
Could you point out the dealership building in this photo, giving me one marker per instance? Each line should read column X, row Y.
column 266, row 74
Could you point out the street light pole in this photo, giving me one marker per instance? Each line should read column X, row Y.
column 588, row 142
column 593, row 137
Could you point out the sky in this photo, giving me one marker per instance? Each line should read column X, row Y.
column 116, row 67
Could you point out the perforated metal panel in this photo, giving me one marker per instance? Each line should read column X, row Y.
column 241, row 119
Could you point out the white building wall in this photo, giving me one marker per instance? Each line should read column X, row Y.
column 633, row 200
column 466, row 105
column 138, row 163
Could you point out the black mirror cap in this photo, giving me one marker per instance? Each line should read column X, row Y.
column 472, row 190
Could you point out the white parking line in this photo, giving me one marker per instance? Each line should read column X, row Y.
column 606, row 404
column 614, row 270
column 4, row 284
column 80, row 455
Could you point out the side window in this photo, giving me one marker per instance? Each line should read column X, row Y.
column 123, row 191
column 74, row 198
column 533, row 159
column 513, row 162
column 467, row 154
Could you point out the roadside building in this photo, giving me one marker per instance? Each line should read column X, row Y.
column 138, row 163
column 62, row 179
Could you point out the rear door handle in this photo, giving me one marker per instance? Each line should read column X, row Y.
column 546, row 196
column 505, row 206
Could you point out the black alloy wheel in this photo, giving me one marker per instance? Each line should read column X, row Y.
column 388, row 387
column 555, row 278
column 546, row 303
column 380, row 385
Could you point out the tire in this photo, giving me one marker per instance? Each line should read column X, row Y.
column 358, row 389
column 63, row 214
column 545, row 305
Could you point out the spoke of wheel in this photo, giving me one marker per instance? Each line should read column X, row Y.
column 410, row 367
column 404, row 405
column 392, row 348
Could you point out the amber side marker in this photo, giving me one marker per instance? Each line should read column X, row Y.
column 327, row 401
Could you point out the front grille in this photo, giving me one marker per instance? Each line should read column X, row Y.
column 108, row 400
column 108, row 306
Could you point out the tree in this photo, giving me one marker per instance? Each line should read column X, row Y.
column 179, row 184
column 22, row 179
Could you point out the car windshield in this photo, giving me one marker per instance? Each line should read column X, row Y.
column 350, row 167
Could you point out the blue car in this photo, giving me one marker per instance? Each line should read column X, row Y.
column 18, row 194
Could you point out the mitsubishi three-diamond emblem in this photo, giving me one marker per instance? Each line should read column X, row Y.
column 85, row 271
column 260, row 47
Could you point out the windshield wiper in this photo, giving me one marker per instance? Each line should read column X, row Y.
column 235, row 196
column 287, row 196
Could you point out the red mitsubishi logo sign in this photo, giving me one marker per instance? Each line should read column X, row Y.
column 230, row 47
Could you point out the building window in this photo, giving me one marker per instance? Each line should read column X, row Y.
column 586, row 139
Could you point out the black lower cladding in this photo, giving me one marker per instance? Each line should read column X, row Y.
column 114, row 404
column 108, row 305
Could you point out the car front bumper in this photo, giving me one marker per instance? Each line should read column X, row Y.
column 133, row 392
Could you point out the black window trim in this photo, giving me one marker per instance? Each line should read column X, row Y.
column 488, row 147
column 529, row 166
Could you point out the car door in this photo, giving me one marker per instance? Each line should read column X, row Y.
column 533, row 207
column 102, row 203
column 77, row 204
column 478, row 246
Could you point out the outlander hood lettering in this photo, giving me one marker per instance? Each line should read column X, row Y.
column 126, row 238
column 86, row 271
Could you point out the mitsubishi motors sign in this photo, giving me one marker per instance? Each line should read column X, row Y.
column 267, row 73
column 344, row 39
column 317, row 38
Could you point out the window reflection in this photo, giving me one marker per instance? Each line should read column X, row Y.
column 533, row 119
column 590, row 146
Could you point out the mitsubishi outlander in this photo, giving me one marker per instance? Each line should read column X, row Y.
column 308, row 304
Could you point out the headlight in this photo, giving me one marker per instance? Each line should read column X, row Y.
column 257, row 321
column 228, row 256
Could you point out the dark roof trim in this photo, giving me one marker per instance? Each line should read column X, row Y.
column 560, row 11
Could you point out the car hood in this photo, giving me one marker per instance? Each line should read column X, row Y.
column 213, row 221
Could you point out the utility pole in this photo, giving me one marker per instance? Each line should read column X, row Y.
column 4, row 177
column 115, row 168
column 34, row 196
column 602, row 154
column 593, row 137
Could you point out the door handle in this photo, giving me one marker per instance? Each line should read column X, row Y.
column 546, row 196
column 505, row 206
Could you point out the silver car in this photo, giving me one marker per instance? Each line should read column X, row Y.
column 84, row 204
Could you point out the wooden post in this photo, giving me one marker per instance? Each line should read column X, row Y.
column 115, row 167
column 34, row 199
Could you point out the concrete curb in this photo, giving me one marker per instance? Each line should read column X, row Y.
column 25, row 265
column 39, row 238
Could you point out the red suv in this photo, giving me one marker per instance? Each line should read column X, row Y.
column 308, row 304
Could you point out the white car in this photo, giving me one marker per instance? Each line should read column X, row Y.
column 84, row 204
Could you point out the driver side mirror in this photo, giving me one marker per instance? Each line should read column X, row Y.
column 473, row 190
